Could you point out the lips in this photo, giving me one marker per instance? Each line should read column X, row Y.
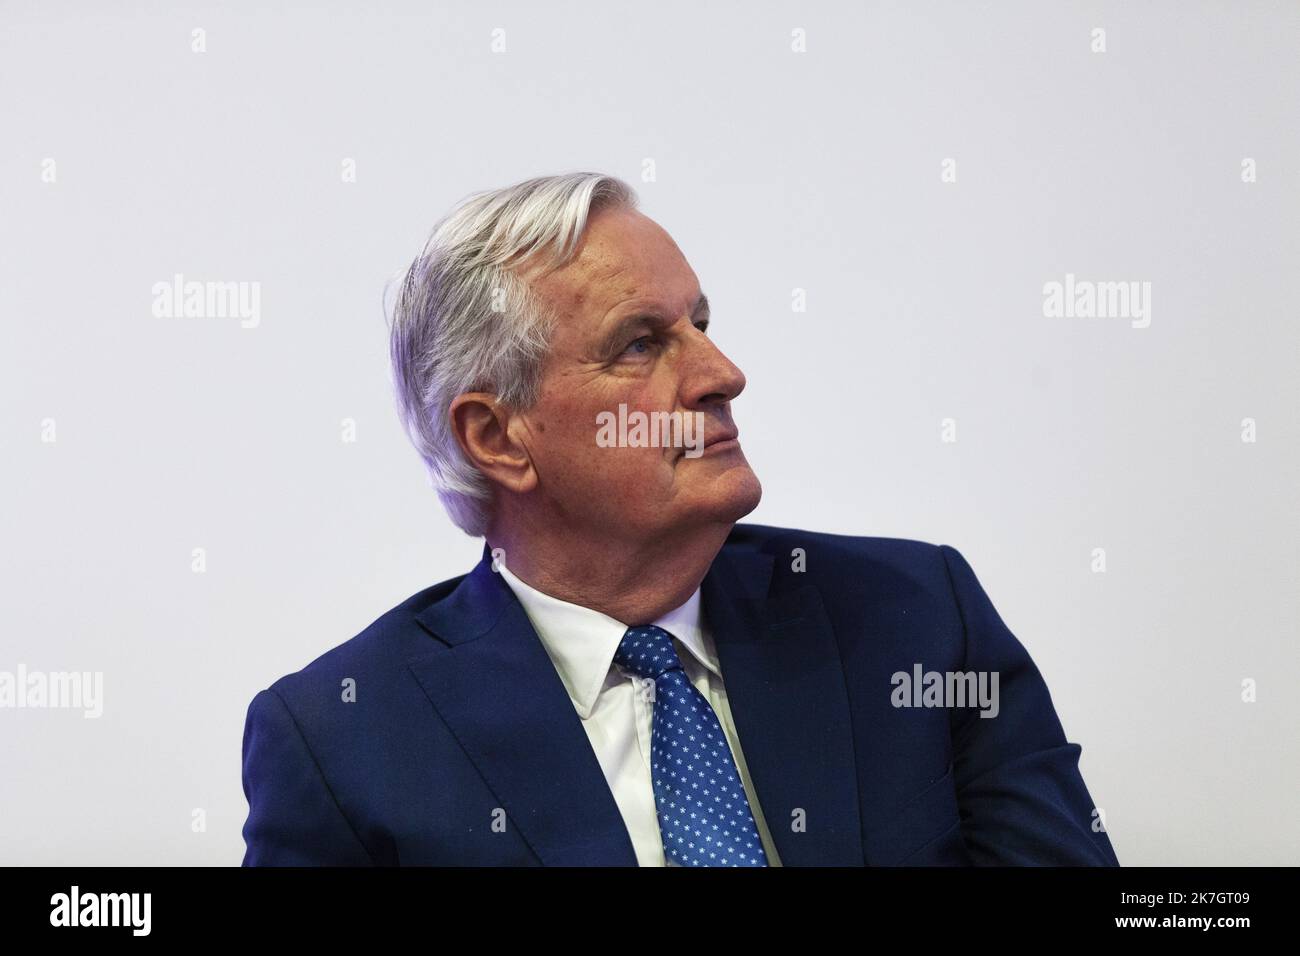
column 725, row 435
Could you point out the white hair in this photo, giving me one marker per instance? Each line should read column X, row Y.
column 465, row 322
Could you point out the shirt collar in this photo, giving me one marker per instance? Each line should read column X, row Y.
column 581, row 642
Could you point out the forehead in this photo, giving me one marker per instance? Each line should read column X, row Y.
column 624, row 257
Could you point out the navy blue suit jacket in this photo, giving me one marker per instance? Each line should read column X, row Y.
column 462, row 746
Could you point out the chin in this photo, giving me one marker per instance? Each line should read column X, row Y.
column 733, row 495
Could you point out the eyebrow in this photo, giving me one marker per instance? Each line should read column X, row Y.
column 699, row 313
column 701, row 310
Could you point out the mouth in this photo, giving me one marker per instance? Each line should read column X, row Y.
column 728, row 438
column 727, row 435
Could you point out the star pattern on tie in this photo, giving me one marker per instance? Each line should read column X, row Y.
column 704, row 815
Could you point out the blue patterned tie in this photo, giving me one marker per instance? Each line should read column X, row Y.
column 704, row 817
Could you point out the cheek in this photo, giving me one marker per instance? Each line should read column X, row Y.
column 576, row 462
column 566, row 444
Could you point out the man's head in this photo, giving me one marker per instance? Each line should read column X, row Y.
column 533, row 314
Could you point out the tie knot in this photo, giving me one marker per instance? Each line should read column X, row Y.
column 647, row 651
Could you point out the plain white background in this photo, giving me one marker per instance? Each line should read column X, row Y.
column 775, row 170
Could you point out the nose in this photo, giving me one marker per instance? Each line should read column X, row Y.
column 710, row 378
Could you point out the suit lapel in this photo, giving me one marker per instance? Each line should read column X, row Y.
column 493, row 684
column 491, row 681
column 785, row 687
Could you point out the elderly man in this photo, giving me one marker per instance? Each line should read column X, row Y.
column 630, row 677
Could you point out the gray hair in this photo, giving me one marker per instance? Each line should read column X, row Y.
column 464, row 321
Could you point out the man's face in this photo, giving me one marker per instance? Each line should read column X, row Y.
column 631, row 332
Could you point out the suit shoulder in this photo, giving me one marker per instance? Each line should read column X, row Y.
column 894, row 595
column 781, row 542
column 854, row 572
column 380, row 648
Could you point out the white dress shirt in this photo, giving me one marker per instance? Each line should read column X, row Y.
column 617, row 718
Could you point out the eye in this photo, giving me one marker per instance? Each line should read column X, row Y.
column 639, row 346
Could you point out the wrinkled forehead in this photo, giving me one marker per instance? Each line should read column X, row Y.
column 623, row 258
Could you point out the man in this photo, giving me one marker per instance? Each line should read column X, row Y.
column 630, row 677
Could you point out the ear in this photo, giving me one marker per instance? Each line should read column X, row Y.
column 482, row 428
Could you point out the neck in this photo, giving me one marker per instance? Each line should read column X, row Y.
column 634, row 582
